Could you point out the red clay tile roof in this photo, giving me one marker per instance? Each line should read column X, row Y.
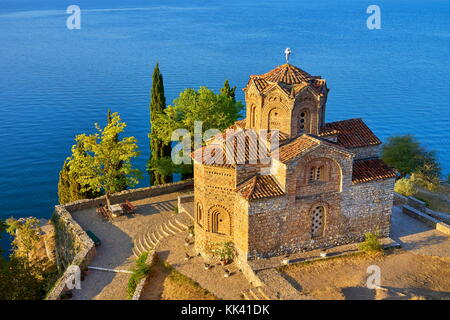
column 353, row 133
column 296, row 147
column 371, row 169
column 241, row 123
column 288, row 74
column 220, row 153
column 260, row 187
column 260, row 84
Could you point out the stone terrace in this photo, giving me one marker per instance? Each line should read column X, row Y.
column 116, row 249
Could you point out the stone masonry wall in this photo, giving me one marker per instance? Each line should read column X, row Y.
column 213, row 193
column 74, row 246
column 280, row 227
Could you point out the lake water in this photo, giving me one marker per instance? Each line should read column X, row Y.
column 55, row 83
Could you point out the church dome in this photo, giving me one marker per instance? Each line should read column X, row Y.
column 287, row 73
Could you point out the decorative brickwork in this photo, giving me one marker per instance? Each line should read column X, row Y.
column 326, row 186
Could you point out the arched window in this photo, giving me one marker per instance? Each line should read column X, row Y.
column 253, row 116
column 221, row 222
column 199, row 214
column 275, row 119
column 303, row 122
column 317, row 225
column 316, row 174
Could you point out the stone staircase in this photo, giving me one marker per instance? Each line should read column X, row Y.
column 148, row 240
column 256, row 293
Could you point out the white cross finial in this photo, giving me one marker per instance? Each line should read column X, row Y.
column 287, row 52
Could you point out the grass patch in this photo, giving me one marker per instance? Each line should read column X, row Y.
column 433, row 201
column 371, row 244
column 318, row 261
column 140, row 271
column 177, row 286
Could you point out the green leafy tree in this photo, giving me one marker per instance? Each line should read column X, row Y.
column 121, row 183
column 407, row 155
column 215, row 111
column 2, row 229
column 158, row 149
column 166, row 167
column 26, row 233
column 98, row 170
column 228, row 91
column 21, row 281
column 69, row 189
column 406, row 187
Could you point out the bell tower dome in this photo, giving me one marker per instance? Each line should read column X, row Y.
column 287, row 99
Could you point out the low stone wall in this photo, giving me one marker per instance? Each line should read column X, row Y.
column 144, row 281
column 399, row 199
column 425, row 218
column 73, row 247
column 131, row 195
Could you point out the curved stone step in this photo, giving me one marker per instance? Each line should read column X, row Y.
column 151, row 242
column 254, row 294
column 161, row 228
column 158, row 235
column 135, row 252
column 171, row 231
column 154, row 239
column 146, row 241
column 142, row 248
column 245, row 295
column 181, row 224
column 262, row 293
column 172, row 225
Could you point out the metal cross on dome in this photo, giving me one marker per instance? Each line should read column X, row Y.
column 287, row 52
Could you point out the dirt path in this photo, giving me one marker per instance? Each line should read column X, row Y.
column 345, row 278
column 420, row 270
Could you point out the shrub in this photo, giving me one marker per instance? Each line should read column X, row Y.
column 140, row 271
column 225, row 251
column 406, row 187
column 371, row 243
column 428, row 182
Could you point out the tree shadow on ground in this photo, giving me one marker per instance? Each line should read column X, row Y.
column 113, row 253
column 156, row 207
column 292, row 281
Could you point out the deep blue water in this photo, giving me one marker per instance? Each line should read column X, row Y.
column 55, row 83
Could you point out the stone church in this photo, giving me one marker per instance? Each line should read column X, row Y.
column 326, row 186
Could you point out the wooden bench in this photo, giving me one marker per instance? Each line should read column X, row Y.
column 128, row 207
column 101, row 210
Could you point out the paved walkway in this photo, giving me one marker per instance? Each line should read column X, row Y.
column 417, row 237
column 115, row 252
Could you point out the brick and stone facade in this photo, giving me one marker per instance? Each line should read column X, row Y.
column 322, row 184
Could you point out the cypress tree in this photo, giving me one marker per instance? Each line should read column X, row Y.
column 157, row 148
column 228, row 91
